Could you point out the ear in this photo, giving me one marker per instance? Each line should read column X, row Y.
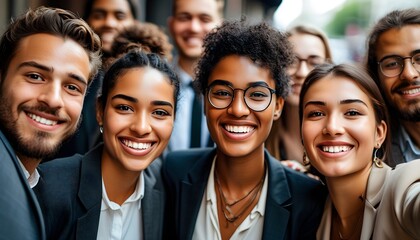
column 278, row 108
column 381, row 130
column 99, row 112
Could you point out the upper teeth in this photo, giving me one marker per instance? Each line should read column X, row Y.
column 42, row 120
column 412, row 91
column 239, row 129
column 137, row 145
column 335, row 149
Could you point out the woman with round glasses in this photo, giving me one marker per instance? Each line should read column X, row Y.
column 238, row 190
column 312, row 49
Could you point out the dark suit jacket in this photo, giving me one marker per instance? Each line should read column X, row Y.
column 20, row 214
column 294, row 201
column 70, row 193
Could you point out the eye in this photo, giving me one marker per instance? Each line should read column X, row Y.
column 161, row 113
column 34, row 76
column 390, row 63
column 315, row 114
column 120, row 16
column 352, row 112
column 124, row 108
column 221, row 93
column 74, row 88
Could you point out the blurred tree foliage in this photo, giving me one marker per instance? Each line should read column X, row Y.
column 353, row 12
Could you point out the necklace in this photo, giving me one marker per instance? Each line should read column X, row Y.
column 226, row 209
column 354, row 230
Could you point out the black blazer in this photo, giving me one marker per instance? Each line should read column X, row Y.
column 70, row 193
column 20, row 214
column 294, row 201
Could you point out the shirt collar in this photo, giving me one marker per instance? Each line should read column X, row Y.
column 406, row 143
column 137, row 195
column 33, row 178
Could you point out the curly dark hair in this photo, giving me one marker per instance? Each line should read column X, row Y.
column 148, row 35
column 264, row 45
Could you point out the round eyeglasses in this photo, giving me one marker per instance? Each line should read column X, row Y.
column 392, row 66
column 257, row 98
column 311, row 63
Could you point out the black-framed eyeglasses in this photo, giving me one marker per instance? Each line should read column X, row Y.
column 311, row 63
column 257, row 98
column 392, row 66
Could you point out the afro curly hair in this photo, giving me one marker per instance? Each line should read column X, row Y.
column 265, row 46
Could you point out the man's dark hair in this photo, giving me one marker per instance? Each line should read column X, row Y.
column 54, row 21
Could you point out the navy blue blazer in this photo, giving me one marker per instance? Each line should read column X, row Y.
column 70, row 195
column 294, row 201
column 20, row 214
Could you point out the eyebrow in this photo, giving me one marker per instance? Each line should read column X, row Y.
column 125, row 97
column 135, row 100
column 346, row 101
column 225, row 82
column 412, row 53
column 51, row 70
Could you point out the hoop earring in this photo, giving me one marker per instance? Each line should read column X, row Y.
column 101, row 129
column 305, row 159
column 376, row 160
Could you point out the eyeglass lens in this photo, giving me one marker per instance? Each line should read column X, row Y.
column 394, row 65
column 257, row 98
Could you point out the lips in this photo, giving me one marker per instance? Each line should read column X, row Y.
column 238, row 129
column 335, row 149
column 41, row 120
column 136, row 145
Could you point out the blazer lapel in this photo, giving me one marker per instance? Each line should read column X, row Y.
column 152, row 205
column 90, row 194
column 192, row 190
column 374, row 194
column 276, row 215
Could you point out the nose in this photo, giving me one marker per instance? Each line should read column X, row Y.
column 141, row 124
column 302, row 70
column 409, row 72
column 195, row 25
column 333, row 126
column 238, row 107
column 111, row 21
column 52, row 95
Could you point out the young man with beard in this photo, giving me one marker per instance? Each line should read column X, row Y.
column 42, row 90
column 107, row 18
column 394, row 62
column 191, row 20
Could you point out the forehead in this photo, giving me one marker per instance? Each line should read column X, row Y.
column 305, row 45
column 111, row 6
column 398, row 41
column 144, row 82
column 343, row 88
column 240, row 71
column 196, row 7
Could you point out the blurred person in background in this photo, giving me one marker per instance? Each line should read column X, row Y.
column 191, row 20
column 311, row 48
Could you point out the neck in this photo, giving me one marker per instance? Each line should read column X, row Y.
column 119, row 183
column 238, row 175
column 413, row 129
column 30, row 163
column 348, row 197
column 187, row 65
column 291, row 133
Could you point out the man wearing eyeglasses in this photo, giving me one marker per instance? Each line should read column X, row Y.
column 394, row 62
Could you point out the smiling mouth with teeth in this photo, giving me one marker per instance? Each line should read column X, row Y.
column 335, row 149
column 42, row 120
column 238, row 129
column 136, row 145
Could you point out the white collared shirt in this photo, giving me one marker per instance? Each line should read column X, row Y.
column 122, row 222
column 33, row 178
column 207, row 224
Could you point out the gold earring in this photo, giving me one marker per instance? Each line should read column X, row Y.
column 305, row 159
column 376, row 160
